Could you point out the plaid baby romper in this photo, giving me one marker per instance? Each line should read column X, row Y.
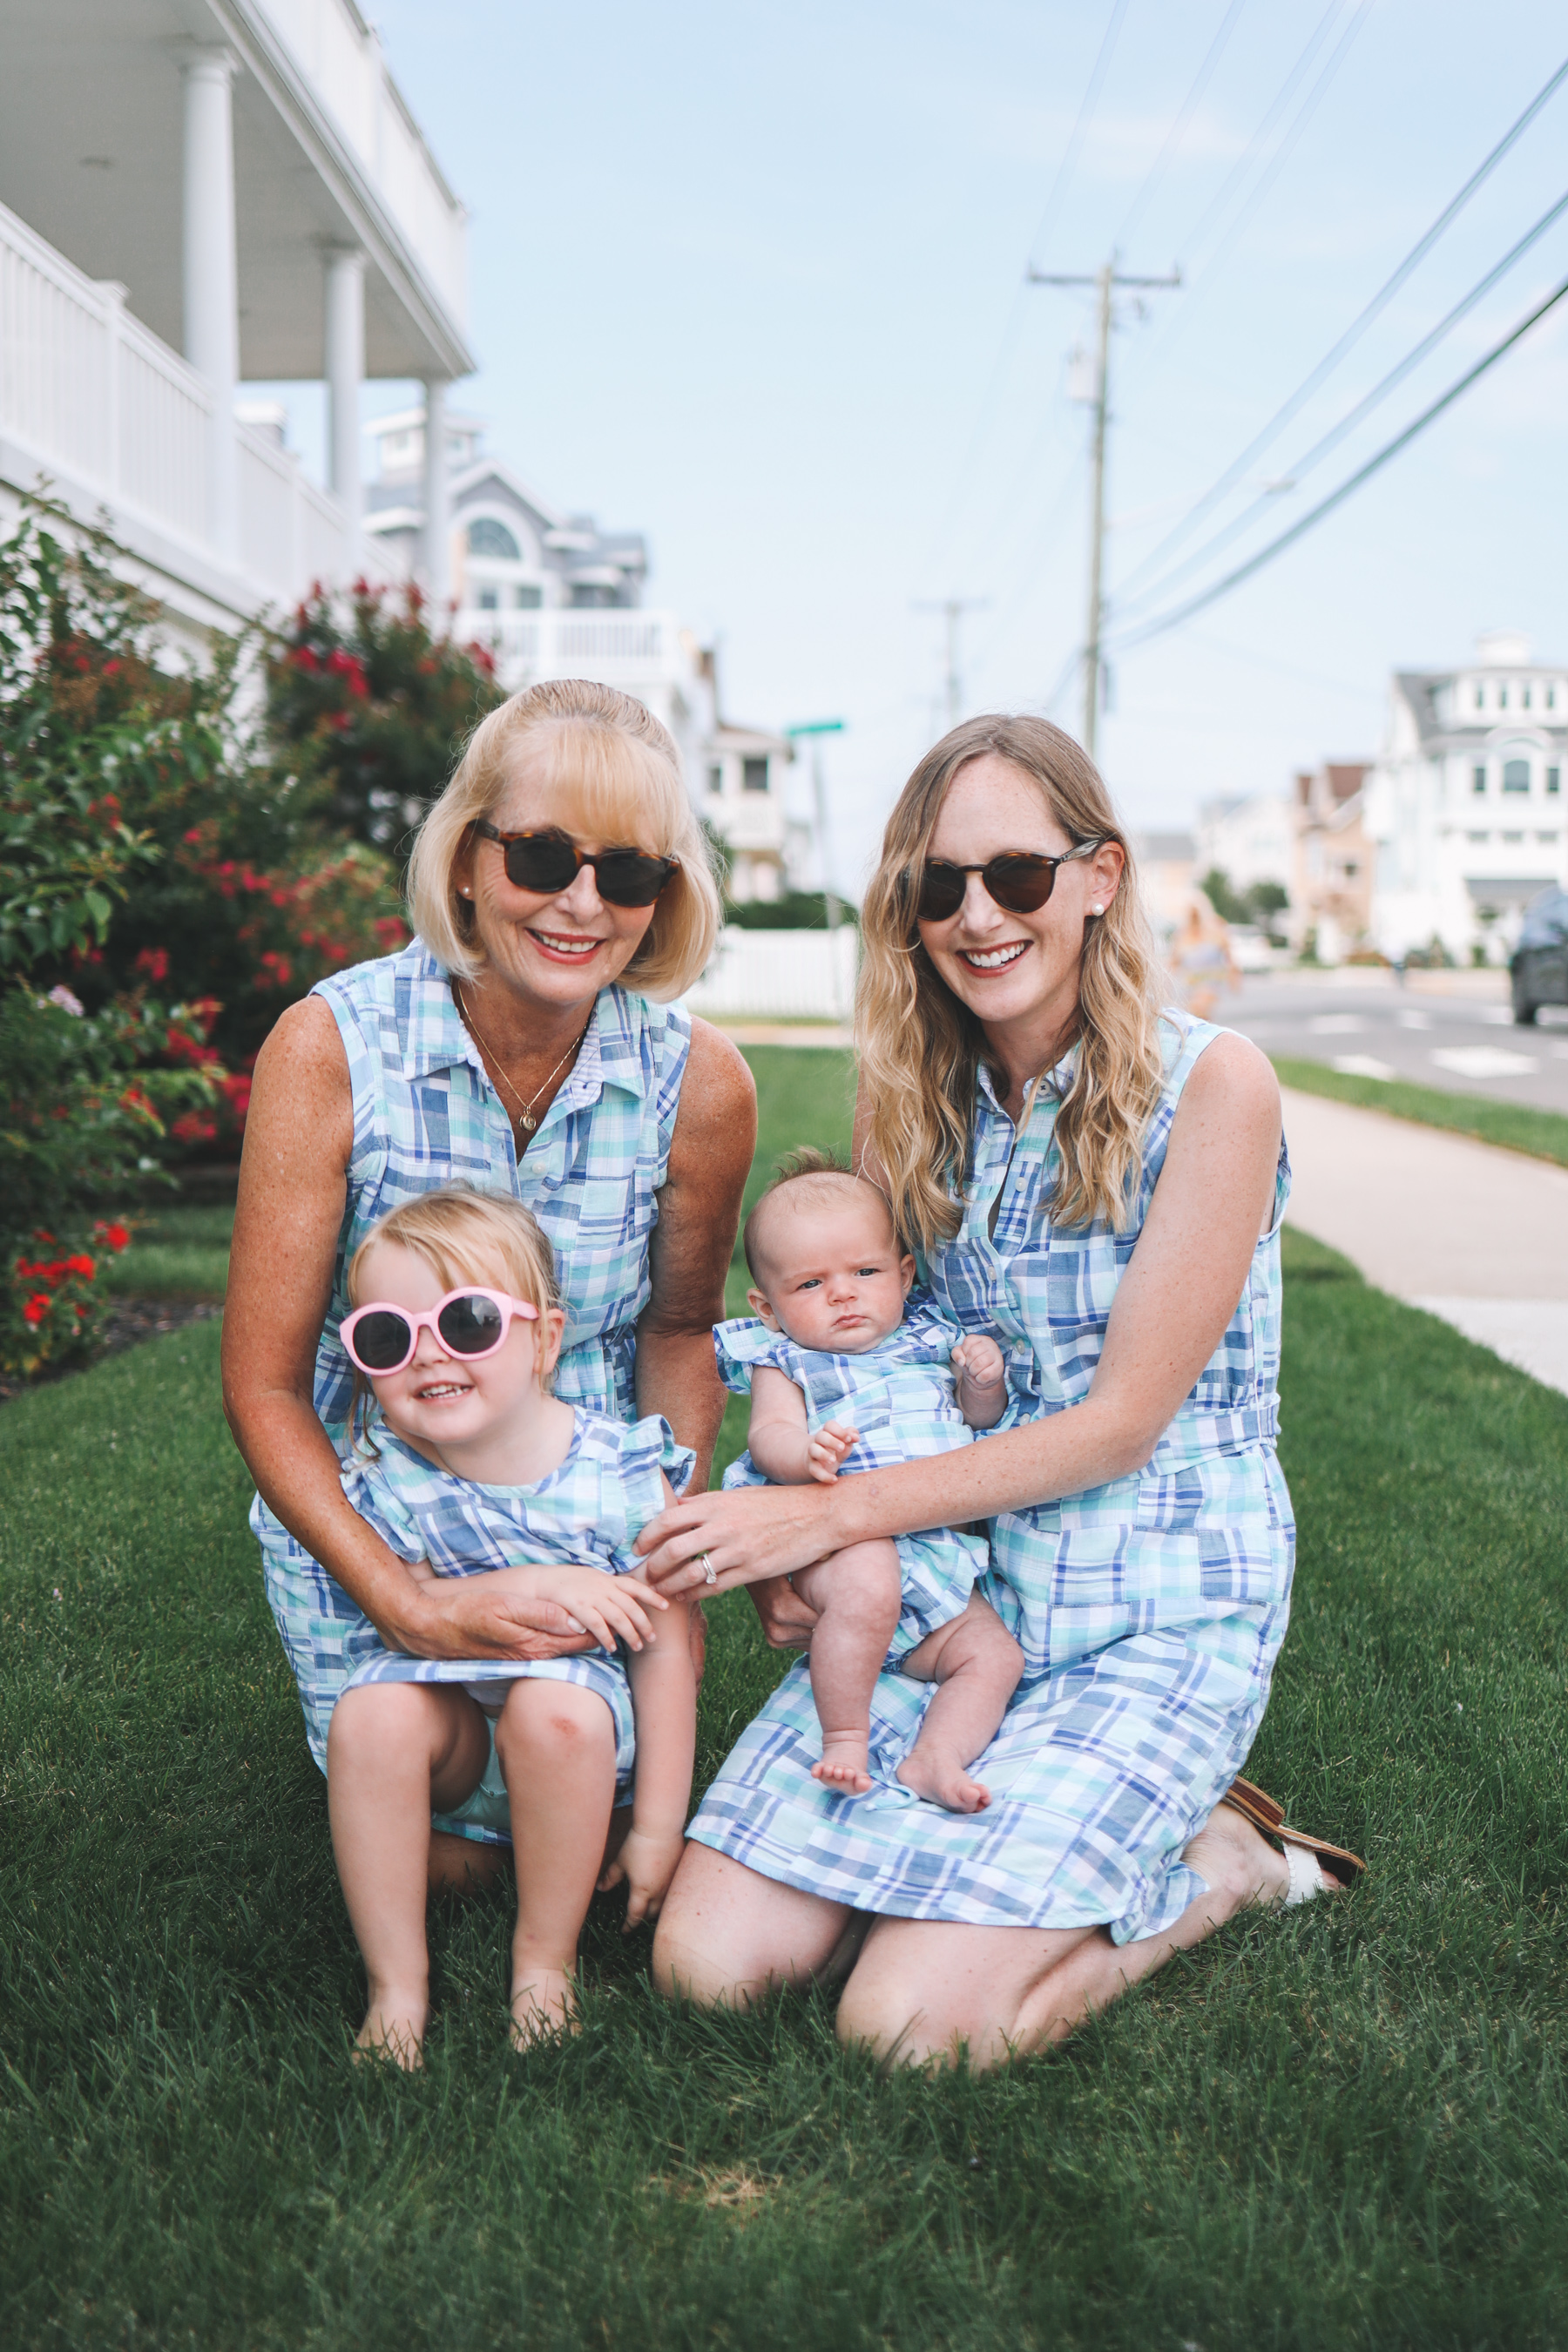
column 1150, row 1609
column 426, row 1115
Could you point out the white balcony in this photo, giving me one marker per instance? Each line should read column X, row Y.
column 92, row 402
column 632, row 649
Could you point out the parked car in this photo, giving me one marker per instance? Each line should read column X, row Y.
column 1539, row 964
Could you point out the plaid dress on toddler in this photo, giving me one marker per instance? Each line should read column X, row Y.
column 902, row 1397
column 589, row 1511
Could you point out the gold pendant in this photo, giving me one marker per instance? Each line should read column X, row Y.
column 527, row 1124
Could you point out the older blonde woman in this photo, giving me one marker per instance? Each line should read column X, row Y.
column 1099, row 1183
column 525, row 1042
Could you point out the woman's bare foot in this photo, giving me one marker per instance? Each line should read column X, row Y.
column 543, row 2006
column 845, row 1756
column 943, row 1779
column 394, row 2028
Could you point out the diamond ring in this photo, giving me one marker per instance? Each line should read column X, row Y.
column 710, row 1573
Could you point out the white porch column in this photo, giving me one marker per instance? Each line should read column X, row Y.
column 211, row 277
column 437, row 503
column 345, row 373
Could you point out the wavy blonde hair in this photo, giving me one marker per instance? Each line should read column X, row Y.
column 920, row 1049
column 618, row 771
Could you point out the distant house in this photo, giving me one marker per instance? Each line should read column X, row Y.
column 743, row 800
column 1330, row 881
column 196, row 192
column 1249, row 836
column 1167, row 871
column 1465, row 803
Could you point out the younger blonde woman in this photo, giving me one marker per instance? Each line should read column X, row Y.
column 469, row 1464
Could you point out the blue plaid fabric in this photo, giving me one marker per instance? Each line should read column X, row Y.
column 1150, row 1610
column 902, row 1397
column 426, row 1116
column 589, row 1509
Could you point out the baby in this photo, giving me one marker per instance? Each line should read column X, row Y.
column 469, row 1464
column 841, row 1378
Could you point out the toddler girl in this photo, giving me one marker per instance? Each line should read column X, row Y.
column 469, row 1464
column 832, row 1339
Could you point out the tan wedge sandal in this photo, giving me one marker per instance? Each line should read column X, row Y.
column 1243, row 1797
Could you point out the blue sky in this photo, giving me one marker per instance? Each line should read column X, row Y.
column 749, row 278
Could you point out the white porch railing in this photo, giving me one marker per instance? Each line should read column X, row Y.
column 780, row 975
column 90, row 398
column 630, row 649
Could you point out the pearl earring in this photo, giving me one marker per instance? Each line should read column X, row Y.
column 1097, row 910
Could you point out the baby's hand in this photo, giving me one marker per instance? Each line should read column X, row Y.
column 827, row 1447
column 610, row 1608
column 647, row 1863
column 979, row 1360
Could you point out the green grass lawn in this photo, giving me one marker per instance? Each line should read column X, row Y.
column 1517, row 1126
column 177, row 1251
column 1348, row 2126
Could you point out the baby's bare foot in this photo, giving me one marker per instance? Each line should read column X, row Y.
column 943, row 1779
column 844, row 1757
column 393, row 2027
column 543, row 2006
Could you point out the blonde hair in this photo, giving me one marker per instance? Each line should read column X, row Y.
column 920, row 1048
column 820, row 1175
column 456, row 1232
column 619, row 769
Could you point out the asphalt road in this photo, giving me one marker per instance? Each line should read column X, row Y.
column 1464, row 1041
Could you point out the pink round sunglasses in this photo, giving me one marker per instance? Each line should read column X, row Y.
column 470, row 1322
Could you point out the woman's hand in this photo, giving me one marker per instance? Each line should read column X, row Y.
column 748, row 1534
column 610, row 1608
column 487, row 1616
column 788, row 1622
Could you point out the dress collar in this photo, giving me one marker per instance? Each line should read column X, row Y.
column 438, row 1039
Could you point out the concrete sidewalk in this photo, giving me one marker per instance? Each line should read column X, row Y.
column 1476, row 1236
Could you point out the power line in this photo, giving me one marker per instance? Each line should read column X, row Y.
column 1363, row 408
column 1195, row 604
column 1177, row 131
column 952, row 609
column 1058, row 187
column 1356, row 329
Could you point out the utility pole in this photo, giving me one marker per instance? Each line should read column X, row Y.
column 953, row 609
column 1105, row 280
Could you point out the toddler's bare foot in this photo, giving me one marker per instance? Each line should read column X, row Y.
column 395, row 2026
column 943, row 1779
column 543, row 2006
column 844, row 1757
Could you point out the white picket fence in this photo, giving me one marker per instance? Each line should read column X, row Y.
column 780, row 975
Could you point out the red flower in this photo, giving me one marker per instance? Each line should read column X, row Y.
column 35, row 1310
column 82, row 1264
column 155, row 961
column 110, row 669
column 236, row 1088
column 114, row 1237
column 302, row 658
column 192, row 1127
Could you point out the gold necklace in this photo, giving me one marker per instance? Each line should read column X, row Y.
column 525, row 1118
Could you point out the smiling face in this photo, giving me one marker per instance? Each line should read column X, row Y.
column 1019, row 973
column 440, row 1399
column 557, row 947
column 832, row 1274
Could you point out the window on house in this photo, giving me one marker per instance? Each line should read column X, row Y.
column 487, row 537
column 1478, row 780
column 1516, row 775
column 1502, row 698
column 753, row 775
column 1524, row 698
column 1481, row 697
column 529, row 597
column 1552, row 697
column 715, row 780
column 1554, row 780
column 489, row 600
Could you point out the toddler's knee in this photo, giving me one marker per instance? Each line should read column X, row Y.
column 381, row 1716
column 555, row 1724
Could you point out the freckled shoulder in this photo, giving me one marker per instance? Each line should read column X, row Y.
column 718, row 1111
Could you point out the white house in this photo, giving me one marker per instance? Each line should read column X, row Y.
column 1249, row 836
column 195, row 194
column 744, row 800
column 1464, row 804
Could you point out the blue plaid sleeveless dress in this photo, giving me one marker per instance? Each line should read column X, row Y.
column 426, row 1115
column 902, row 1397
column 590, row 1509
column 1150, row 1609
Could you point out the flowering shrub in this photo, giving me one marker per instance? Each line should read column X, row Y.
column 370, row 708
column 85, row 1102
